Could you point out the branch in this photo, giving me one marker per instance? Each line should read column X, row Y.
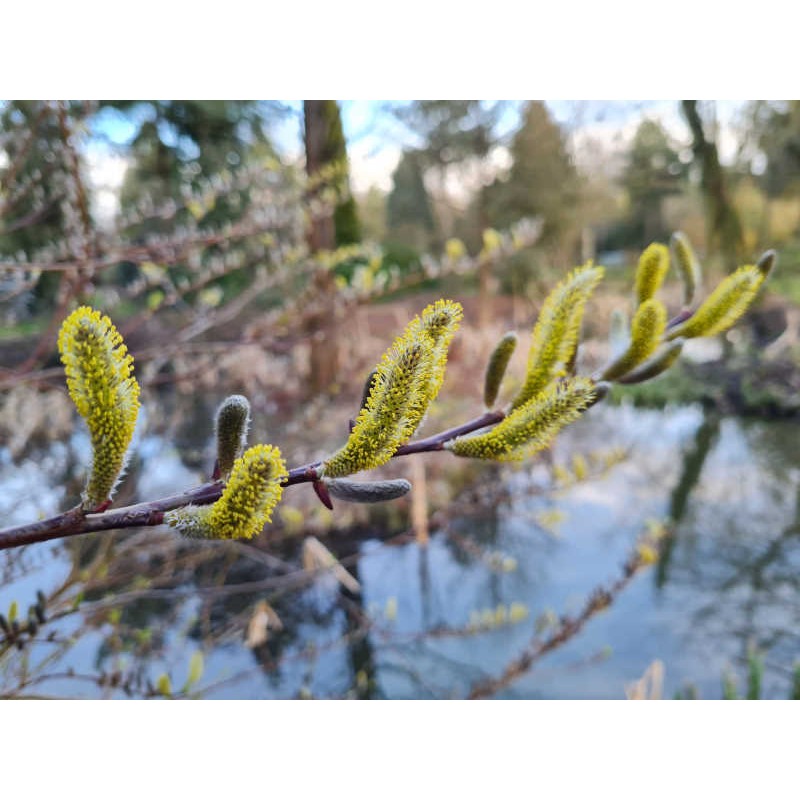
column 74, row 522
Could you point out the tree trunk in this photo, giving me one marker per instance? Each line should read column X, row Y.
column 487, row 283
column 723, row 221
column 322, row 323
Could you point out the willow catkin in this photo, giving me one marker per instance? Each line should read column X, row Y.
column 663, row 359
column 687, row 264
column 497, row 366
column 367, row 491
column 101, row 384
column 532, row 426
column 557, row 329
column 231, row 424
column 651, row 271
column 766, row 263
column 254, row 488
column 724, row 306
column 406, row 381
column 647, row 328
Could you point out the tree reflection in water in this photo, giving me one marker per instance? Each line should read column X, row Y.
column 124, row 608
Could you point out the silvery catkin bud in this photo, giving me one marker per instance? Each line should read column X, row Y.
column 767, row 262
column 367, row 491
column 687, row 264
column 232, row 422
column 496, row 368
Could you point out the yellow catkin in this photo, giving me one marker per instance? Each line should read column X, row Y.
column 652, row 269
column 440, row 321
column 647, row 329
column 496, row 368
column 406, row 381
column 102, row 386
column 724, row 306
column 245, row 507
column 663, row 359
column 687, row 264
column 531, row 427
column 555, row 336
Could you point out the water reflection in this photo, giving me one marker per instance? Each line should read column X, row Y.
column 431, row 621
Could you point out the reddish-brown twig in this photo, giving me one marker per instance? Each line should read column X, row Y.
column 75, row 522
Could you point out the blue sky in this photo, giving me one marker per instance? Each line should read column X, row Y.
column 376, row 139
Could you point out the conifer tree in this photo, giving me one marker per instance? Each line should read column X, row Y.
column 542, row 182
column 408, row 208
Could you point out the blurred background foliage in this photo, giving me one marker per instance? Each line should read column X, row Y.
column 185, row 170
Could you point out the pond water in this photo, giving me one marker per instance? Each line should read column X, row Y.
column 140, row 604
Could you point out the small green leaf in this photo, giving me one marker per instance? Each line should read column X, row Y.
column 155, row 299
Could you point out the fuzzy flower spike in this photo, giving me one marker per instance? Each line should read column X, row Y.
column 405, row 382
column 725, row 305
column 101, row 384
column 555, row 336
column 253, row 490
column 533, row 426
